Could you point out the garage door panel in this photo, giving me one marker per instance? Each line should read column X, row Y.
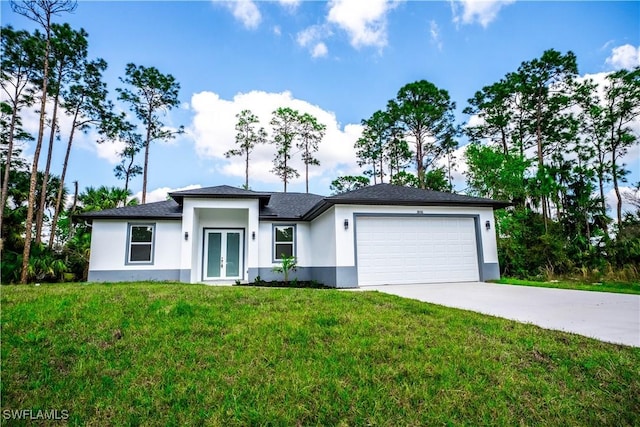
column 416, row 250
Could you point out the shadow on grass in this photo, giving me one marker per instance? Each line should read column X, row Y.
column 304, row 284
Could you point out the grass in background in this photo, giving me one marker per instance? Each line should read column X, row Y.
column 606, row 286
column 177, row 354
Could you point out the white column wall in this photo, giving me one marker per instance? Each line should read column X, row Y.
column 323, row 239
column 198, row 214
column 489, row 239
column 303, row 244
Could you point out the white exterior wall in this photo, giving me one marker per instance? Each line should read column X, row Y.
column 489, row 239
column 109, row 245
column 198, row 214
column 323, row 239
column 345, row 242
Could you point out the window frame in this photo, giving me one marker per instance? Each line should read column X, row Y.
column 274, row 256
column 130, row 243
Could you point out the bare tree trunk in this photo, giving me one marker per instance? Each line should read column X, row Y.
column 587, row 227
column 73, row 210
column 34, row 169
column 543, row 197
column 246, row 171
column 616, row 188
column 375, row 172
column 285, row 173
column 146, row 158
column 449, row 170
column 603, row 204
column 419, row 162
column 7, row 167
column 126, row 180
column 144, row 173
column 505, row 148
column 58, row 207
column 45, row 178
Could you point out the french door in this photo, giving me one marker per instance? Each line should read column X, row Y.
column 223, row 254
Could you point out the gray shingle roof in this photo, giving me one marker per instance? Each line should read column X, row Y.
column 385, row 193
column 167, row 209
column 296, row 206
column 388, row 194
column 217, row 192
column 289, row 205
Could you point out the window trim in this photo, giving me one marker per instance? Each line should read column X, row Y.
column 130, row 225
column 294, row 243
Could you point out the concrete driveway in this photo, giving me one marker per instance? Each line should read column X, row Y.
column 605, row 316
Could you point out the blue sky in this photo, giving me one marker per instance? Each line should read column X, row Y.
column 339, row 60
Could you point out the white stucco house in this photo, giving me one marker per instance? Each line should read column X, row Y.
column 381, row 234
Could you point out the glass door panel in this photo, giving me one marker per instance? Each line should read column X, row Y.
column 233, row 255
column 214, row 251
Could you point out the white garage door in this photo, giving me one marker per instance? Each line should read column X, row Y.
column 396, row 250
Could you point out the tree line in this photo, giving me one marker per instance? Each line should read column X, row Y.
column 289, row 127
column 542, row 138
column 416, row 129
column 49, row 70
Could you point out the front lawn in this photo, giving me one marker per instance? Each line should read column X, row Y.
column 177, row 354
column 615, row 287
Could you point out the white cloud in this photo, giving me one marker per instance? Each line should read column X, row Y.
column 482, row 12
column 213, row 132
column 290, row 5
column 475, row 120
column 364, row 21
column 612, row 200
column 276, row 30
column 160, row 194
column 244, row 11
column 626, row 56
column 434, row 30
column 312, row 38
column 320, row 50
column 110, row 151
column 310, row 34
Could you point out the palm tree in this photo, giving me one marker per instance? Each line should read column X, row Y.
column 104, row 197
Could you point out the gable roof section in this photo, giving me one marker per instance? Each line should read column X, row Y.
column 396, row 195
column 219, row 192
column 167, row 209
column 294, row 206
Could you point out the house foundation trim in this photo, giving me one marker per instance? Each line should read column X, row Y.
column 134, row 275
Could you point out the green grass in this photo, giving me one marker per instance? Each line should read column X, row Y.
column 615, row 287
column 177, row 354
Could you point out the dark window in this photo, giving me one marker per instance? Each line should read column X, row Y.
column 283, row 242
column 141, row 243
